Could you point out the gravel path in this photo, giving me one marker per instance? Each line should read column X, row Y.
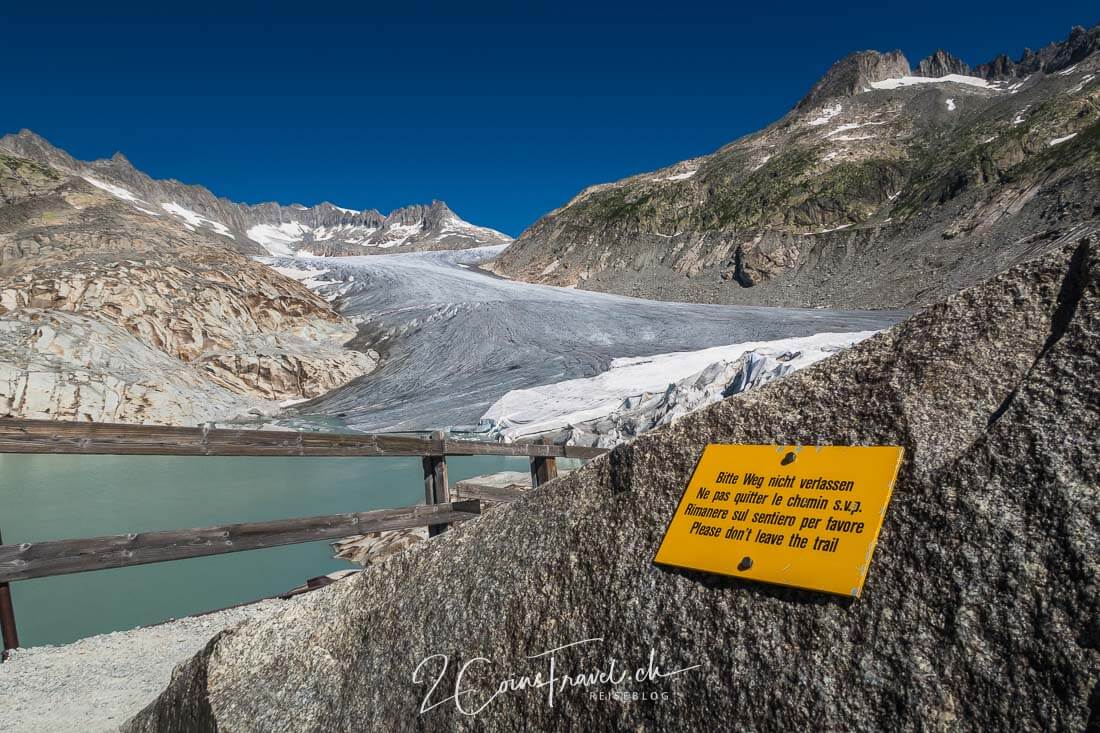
column 97, row 683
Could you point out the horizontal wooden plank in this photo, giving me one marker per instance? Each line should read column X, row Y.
column 60, row 557
column 581, row 451
column 47, row 436
column 487, row 492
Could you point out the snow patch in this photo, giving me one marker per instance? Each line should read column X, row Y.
column 826, row 114
column 1060, row 140
column 834, row 229
column 950, row 105
column 195, row 220
column 297, row 273
column 853, row 126
column 118, row 192
column 761, row 163
column 1084, row 82
column 455, row 226
column 402, row 233
column 630, row 381
column 1013, row 88
column 309, row 278
column 908, row 81
column 277, row 239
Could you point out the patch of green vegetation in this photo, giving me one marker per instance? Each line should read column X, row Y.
column 992, row 154
column 753, row 200
column 1081, row 152
column 792, row 194
column 788, row 191
column 26, row 168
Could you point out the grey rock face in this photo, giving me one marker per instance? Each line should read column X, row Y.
column 1001, row 67
column 1053, row 58
column 980, row 611
column 854, row 73
column 941, row 63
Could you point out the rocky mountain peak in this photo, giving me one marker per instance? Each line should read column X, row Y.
column 1079, row 44
column 1001, row 67
column 854, row 73
column 32, row 146
column 427, row 214
column 407, row 215
column 266, row 228
column 942, row 63
column 27, row 137
column 438, row 214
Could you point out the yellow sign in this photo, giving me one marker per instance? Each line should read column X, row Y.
column 806, row 517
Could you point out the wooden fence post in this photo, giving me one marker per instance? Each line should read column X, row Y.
column 435, row 479
column 543, row 469
column 7, row 618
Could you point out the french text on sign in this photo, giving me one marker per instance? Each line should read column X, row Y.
column 752, row 512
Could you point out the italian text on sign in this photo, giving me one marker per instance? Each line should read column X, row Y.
column 804, row 517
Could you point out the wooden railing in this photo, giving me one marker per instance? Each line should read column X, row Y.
column 59, row 557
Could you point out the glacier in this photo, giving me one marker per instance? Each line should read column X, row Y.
column 454, row 339
column 637, row 394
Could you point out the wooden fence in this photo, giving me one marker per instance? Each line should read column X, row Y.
column 59, row 557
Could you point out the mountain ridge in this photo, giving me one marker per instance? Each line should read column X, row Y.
column 879, row 189
column 267, row 228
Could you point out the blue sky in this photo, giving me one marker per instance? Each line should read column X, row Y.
column 502, row 110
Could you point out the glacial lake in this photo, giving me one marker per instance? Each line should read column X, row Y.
column 58, row 497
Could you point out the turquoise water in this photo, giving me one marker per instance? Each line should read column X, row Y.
column 59, row 497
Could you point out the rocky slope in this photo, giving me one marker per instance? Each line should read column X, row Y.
column 883, row 187
column 112, row 311
column 269, row 228
column 979, row 613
